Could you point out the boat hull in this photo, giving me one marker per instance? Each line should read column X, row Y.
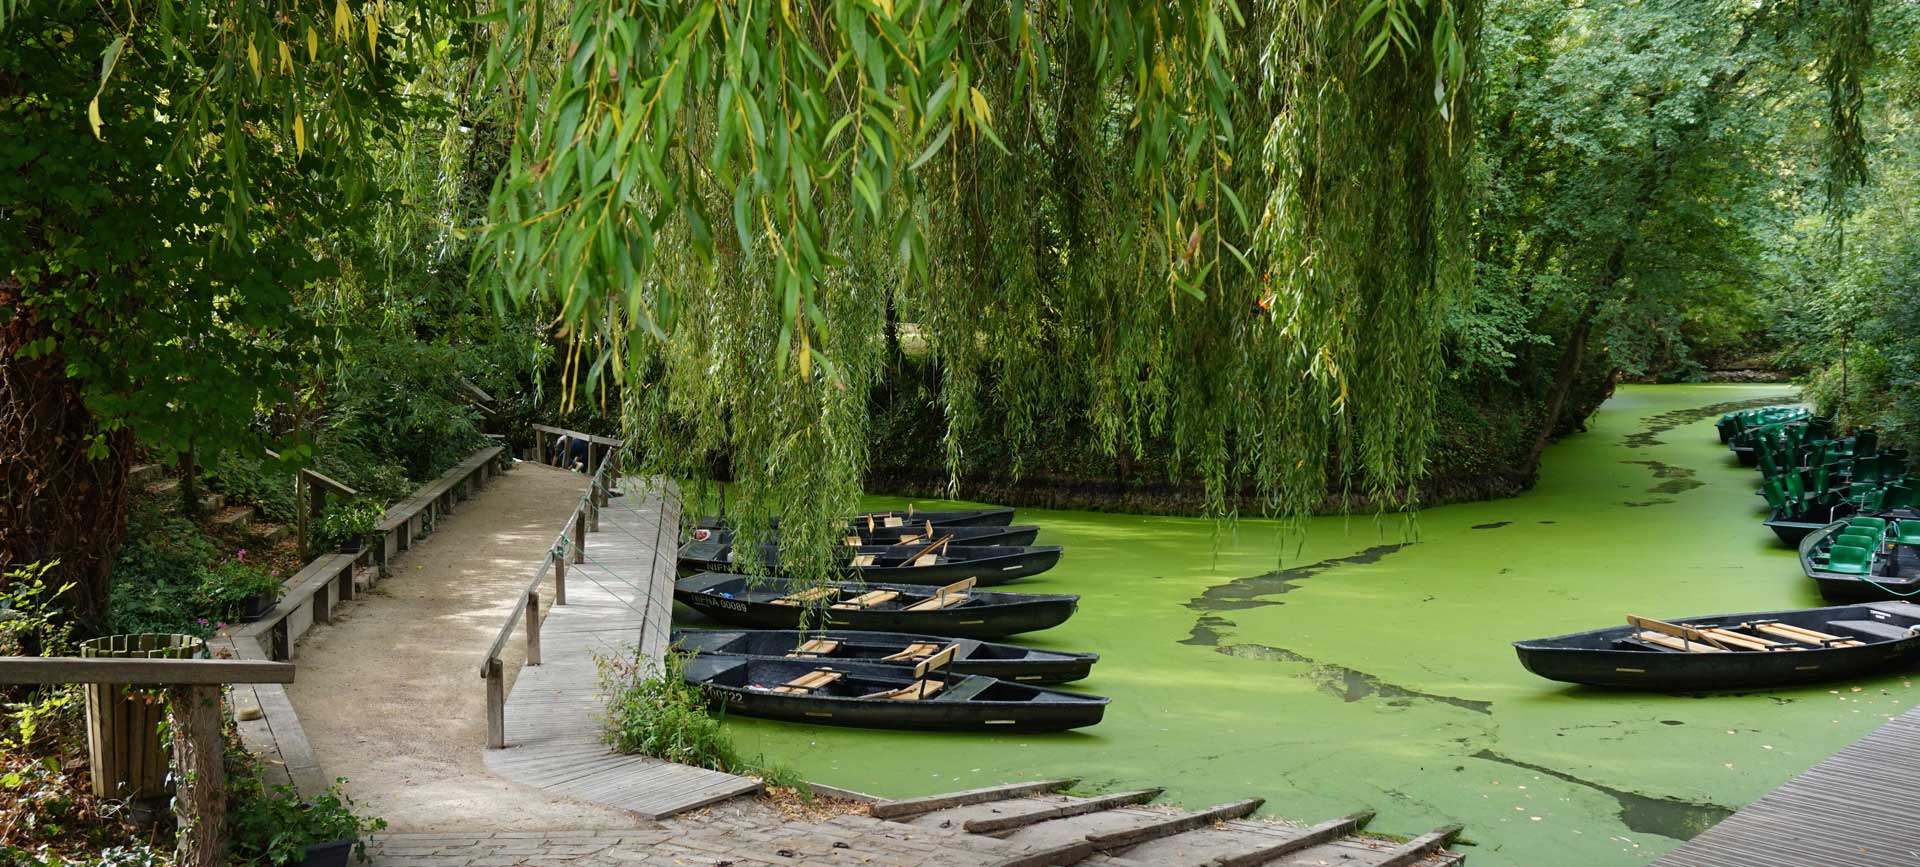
column 1591, row 658
column 987, row 565
column 1004, row 661
column 998, row 614
column 969, row 702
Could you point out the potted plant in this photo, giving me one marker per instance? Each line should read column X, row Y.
column 348, row 524
column 238, row 589
column 275, row 827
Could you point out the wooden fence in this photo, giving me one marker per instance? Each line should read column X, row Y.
column 193, row 689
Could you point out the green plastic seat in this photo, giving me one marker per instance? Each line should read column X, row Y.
column 1907, row 532
column 1775, row 498
column 1857, row 539
column 1877, row 525
column 1849, row 560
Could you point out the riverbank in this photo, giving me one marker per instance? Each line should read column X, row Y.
column 1367, row 664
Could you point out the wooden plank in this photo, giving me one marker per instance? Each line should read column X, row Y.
column 1325, row 832
column 1417, row 849
column 1174, row 825
column 1060, row 811
column 328, row 484
column 59, row 670
column 1676, row 630
column 915, row 806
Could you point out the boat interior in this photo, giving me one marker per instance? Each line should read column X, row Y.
column 1813, row 629
column 1886, row 546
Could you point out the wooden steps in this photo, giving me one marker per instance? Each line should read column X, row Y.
column 233, row 518
column 1048, row 829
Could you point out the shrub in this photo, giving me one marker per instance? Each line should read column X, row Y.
column 656, row 712
column 354, row 519
column 250, row 481
column 275, row 826
column 226, row 587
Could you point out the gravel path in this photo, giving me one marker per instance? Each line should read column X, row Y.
column 390, row 694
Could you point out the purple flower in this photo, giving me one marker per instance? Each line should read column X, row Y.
column 240, row 555
column 202, row 621
column 221, row 626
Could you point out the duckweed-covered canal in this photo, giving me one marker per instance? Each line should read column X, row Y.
column 1369, row 666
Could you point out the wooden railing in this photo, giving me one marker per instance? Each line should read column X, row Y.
column 193, row 714
column 570, row 545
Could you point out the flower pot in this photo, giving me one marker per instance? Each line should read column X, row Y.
column 258, row 605
column 350, row 546
column 331, row 854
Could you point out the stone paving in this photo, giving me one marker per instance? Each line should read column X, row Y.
column 741, row 833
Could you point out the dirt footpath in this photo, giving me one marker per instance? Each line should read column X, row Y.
column 390, row 692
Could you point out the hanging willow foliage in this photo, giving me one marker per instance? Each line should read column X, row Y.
column 1228, row 227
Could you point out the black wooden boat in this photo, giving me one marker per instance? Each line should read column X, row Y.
column 917, row 563
column 998, row 516
column 1017, row 534
column 775, row 603
column 1874, row 556
column 1733, row 651
column 884, row 696
column 973, row 656
column 1790, row 529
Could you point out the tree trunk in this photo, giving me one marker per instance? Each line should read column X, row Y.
column 199, row 763
column 56, row 503
column 1563, row 376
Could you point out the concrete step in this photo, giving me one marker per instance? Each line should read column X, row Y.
column 143, row 475
column 233, row 518
column 164, row 486
column 271, row 533
column 211, row 503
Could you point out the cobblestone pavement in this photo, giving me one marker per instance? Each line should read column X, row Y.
column 742, row 833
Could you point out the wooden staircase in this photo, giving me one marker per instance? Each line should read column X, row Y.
column 1049, row 829
column 221, row 517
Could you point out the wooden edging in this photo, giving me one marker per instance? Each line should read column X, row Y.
column 916, row 806
column 1418, row 848
column 1325, row 832
column 143, row 672
column 1060, row 811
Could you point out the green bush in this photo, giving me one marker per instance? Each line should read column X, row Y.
column 354, row 519
column 275, row 826
column 656, row 712
column 227, row 586
column 252, row 482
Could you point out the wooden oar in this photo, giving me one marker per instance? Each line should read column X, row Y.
column 929, row 549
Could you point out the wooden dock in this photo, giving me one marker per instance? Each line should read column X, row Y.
column 1855, row 809
column 619, row 599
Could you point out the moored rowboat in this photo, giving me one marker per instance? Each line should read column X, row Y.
column 884, row 696
column 1018, row 534
column 973, row 656
column 776, row 603
column 1732, row 651
column 934, row 562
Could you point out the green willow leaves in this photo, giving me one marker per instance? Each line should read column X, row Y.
column 1228, row 227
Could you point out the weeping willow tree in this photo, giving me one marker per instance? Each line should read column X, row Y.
column 1228, row 227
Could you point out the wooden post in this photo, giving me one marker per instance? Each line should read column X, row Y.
column 559, row 579
column 593, row 507
column 533, row 628
column 496, row 705
column 580, row 537
column 201, row 798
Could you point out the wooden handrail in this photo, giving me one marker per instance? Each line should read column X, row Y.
column 330, row 485
column 592, row 438
column 193, row 713
column 54, row 670
column 572, row 535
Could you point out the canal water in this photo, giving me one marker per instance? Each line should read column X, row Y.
column 1367, row 664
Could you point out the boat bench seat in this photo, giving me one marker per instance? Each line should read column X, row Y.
column 809, row 682
column 803, row 597
column 816, row 647
column 917, row 650
column 1872, row 629
column 915, row 691
column 868, row 599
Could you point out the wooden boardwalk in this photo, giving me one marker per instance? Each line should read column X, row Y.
column 619, row 599
column 1857, row 809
